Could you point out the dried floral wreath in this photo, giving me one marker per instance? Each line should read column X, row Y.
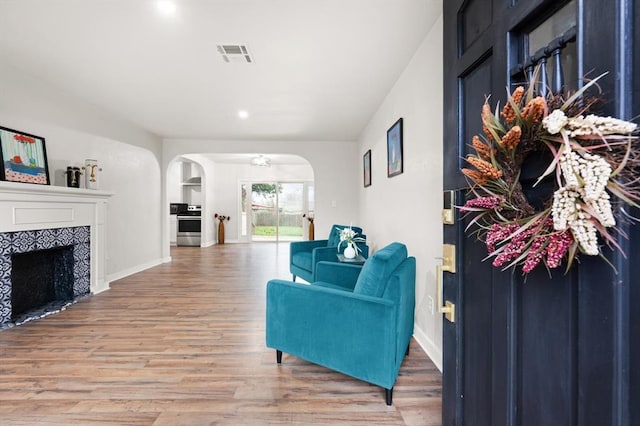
column 596, row 163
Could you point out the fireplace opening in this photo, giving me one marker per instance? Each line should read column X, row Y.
column 41, row 278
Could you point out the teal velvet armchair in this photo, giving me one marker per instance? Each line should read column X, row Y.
column 355, row 320
column 305, row 255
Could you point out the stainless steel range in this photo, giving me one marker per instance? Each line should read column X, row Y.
column 189, row 226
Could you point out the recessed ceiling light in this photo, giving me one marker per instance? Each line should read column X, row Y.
column 166, row 7
column 243, row 114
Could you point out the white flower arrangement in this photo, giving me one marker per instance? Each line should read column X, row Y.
column 350, row 237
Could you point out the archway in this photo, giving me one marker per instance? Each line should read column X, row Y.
column 215, row 181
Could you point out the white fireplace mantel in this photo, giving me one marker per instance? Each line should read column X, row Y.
column 26, row 207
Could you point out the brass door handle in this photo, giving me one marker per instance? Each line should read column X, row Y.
column 448, row 265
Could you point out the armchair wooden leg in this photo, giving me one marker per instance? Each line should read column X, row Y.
column 294, row 279
column 278, row 356
column 407, row 353
column 388, row 395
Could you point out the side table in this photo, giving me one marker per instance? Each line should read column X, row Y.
column 358, row 260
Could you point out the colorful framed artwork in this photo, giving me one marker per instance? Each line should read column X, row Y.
column 394, row 149
column 24, row 157
column 366, row 167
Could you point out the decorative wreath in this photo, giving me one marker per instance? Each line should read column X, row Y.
column 591, row 167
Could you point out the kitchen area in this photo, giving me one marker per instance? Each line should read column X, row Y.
column 185, row 204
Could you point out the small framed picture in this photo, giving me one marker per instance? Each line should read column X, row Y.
column 366, row 167
column 24, row 157
column 394, row 149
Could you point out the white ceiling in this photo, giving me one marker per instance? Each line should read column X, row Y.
column 321, row 68
column 274, row 159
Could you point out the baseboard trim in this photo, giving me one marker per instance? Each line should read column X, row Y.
column 432, row 350
column 102, row 286
column 134, row 270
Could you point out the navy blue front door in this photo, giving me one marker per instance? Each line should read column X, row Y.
column 559, row 349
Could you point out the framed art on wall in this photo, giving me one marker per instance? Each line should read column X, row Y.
column 24, row 157
column 394, row 149
column 366, row 167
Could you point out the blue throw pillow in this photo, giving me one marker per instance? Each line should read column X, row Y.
column 376, row 271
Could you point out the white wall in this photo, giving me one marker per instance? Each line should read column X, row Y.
column 336, row 169
column 174, row 180
column 27, row 97
column 407, row 207
column 129, row 156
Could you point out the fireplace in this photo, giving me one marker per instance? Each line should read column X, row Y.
column 42, row 271
column 38, row 220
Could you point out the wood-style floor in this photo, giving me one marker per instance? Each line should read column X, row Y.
column 183, row 344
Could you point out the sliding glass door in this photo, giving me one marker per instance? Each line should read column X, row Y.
column 272, row 211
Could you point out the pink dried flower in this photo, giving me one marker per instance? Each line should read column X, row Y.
column 531, row 241
column 489, row 203
column 535, row 254
column 558, row 245
column 510, row 252
column 497, row 233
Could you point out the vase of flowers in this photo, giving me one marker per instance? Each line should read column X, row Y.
column 309, row 217
column 349, row 238
column 221, row 219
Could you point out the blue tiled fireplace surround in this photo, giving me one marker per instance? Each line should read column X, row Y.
column 28, row 241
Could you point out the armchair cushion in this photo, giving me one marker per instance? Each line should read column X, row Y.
column 302, row 260
column 377, row 269
column 342, row 276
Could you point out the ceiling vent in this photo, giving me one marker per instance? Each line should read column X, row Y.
column 237, row 53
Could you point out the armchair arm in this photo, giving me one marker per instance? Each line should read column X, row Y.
column 298, row 246
column 328, row 254
column 340, row 274
column 347, row 332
